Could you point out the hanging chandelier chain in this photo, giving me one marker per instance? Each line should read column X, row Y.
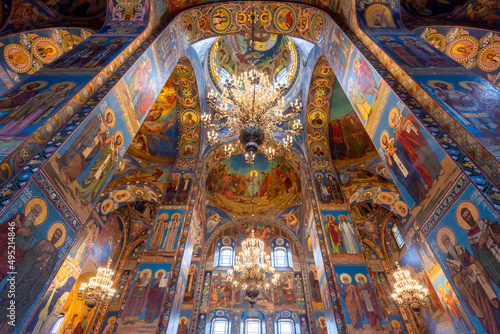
column 252, row 48
column 252, row 105
column 253, row 190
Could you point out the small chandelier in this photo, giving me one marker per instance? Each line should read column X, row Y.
column 408, row 292
column 252, row 107
column 99, row 289
column 253, row 271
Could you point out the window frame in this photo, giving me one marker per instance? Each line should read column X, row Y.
column 282, row 78
column 247, row 320
column 220, row 319
column 397, row 236
column 224, row 76
column 222, row 256
column 277, row 250
column 292, row 326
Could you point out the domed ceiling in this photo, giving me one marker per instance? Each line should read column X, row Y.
column 231, row 184
column 274, row 55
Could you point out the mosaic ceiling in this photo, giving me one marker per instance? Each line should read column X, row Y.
column 274, row 55
column 232, row 183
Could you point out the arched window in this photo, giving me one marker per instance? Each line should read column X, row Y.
column 226, row 256
column 224, row 76
column 57, row 325
column 224, row 252
column 253, row 322
column 218, row 322
column 397, row 236
column 220, row 326
column 286, row 322
column 253, row 326
column 281, row 255
column 286, row 326
column 281, row 77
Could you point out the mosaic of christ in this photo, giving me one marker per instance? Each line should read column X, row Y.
column 231, row 184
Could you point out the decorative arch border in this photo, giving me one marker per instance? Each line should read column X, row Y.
column 376, row 249
column 289, row 235
column 121, row 196
column 377, row 195
column 386, row 233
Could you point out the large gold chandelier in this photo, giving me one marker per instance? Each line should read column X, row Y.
column 253, row 271
column 408, row 292
column 99, row 289
column 252, row 106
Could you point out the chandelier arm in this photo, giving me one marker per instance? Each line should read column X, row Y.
column 252, row 45
column 211, row 126
column 283, row 131
column 270, row 105
column 234, row 100
column 289, row 117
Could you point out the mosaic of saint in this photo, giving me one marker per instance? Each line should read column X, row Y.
column 156, row 140
column 232, row 183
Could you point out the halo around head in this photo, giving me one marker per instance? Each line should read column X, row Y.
column 52, row 229
column 395, row 324
column 43, row 214
column 445, row 230
column 358, row 276
column 441, row 290
column 147, row 270
column 473, row 210
column 394, row 111
column 469, row 84
column 41, row 84
column 345, row 275
column 119, row 134
column 432, row 83
column 107, row 112
column 343, row 218
column 69, row 85
column 161, row 271
column 385, row 133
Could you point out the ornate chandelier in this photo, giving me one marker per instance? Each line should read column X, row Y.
column 252, row 107
column 253, row 271
column 99, row 289
column 408, row 292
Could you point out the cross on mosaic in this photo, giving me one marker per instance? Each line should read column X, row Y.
column 253, row 167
